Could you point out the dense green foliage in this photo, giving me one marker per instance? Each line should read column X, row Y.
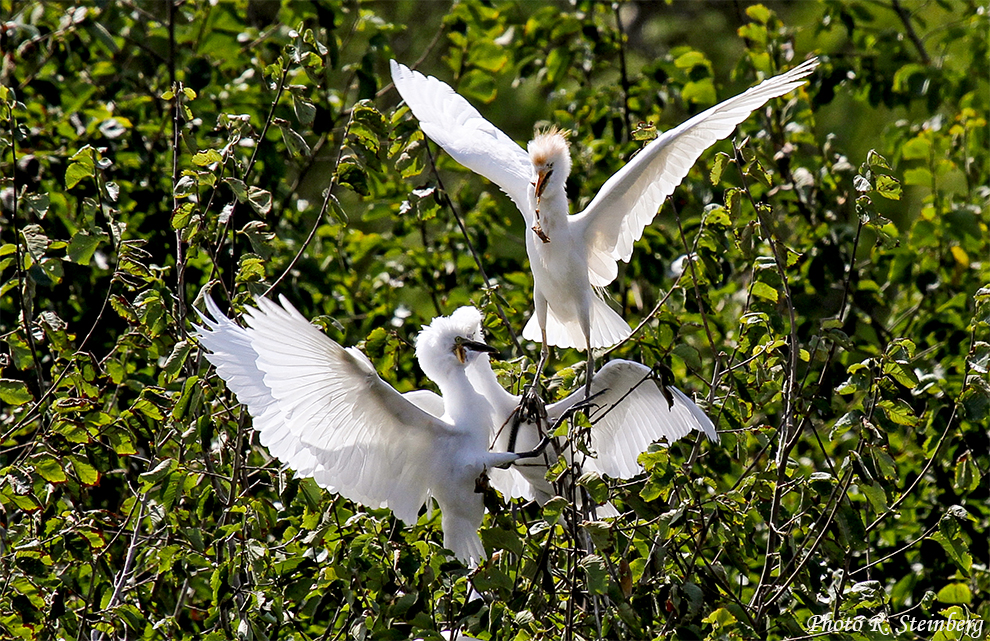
column 835, row 323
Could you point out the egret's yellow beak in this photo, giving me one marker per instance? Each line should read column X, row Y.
column 542, row 177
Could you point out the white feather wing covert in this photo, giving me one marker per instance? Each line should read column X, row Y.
column 630, row 414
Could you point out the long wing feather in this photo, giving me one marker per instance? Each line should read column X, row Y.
column 332, row 417
column 631, row 414
column 629, row 200
column 450, row 121
column 236, row 362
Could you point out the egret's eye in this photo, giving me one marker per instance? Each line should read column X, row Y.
column 459, row 349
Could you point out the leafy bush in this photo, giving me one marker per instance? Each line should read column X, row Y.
column 834, row 320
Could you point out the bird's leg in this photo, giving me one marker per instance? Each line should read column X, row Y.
column 532, row 390
column 589, row 373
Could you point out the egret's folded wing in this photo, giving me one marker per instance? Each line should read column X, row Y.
column 629, row 200
column 450, row 121
column 630, row 414
column 426, row 400
column 356, row 434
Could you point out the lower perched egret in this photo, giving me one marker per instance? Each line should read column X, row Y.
column 628, row 412
column 322, row 410
column 572, row 254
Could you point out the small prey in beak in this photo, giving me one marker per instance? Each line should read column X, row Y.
column 542, row 178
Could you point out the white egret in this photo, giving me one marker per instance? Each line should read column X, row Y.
column 571, row 254
column 323, row 410
column 630, row 411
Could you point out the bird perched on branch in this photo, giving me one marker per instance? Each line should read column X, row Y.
column 572, row 254
column 323, row 410
column 629, row 411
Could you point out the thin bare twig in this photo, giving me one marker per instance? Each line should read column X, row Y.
column 489, row 288
column 912, row 34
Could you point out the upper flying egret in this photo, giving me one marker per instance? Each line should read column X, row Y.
column 629, row 412
column 571, row 254
column 324, row 411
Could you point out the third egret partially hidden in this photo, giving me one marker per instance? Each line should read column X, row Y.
column 571, row 254
column 324, row 411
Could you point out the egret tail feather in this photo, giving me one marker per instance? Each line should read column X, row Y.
column 607, row 328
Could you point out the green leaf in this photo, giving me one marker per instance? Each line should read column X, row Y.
column 596, row 487
column 918, row 176
column 955, row 547
column 877, row 497
column 501, row 539
column 701, row 92
column 594, row 567
column 14, row 392
column 351, row 174
column 955, row 593
column 477, row 85
column 207, row 157
column 764, row 291
column 911, row 78
column 644, row 131
column 553, row 508
column 967, row 476
column 305, row 111
column 85, row 472
column 888, row 187
column 718, row 164
column 239, row 189
column 759, row 13
column 177, row 358
column 690, row 60
column 558, row 62
column 182, row 216
column 156, row 474
column 295, row 143
column 918, row 148
column 876, row 161
column 689, row 354
column 49, row 468
column 979, row 357
column 83, row 245
column 489, row 56
column 899, row 412
column 76, row 172
column 260, row 200
column 720, row 618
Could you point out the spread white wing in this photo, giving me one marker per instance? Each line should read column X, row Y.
column 450, row 121
column 629, row 200
column 324, row 411
column 631, row 414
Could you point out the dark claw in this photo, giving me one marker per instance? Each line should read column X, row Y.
column 531, row 409
column 539, row 232
column 482, row 484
